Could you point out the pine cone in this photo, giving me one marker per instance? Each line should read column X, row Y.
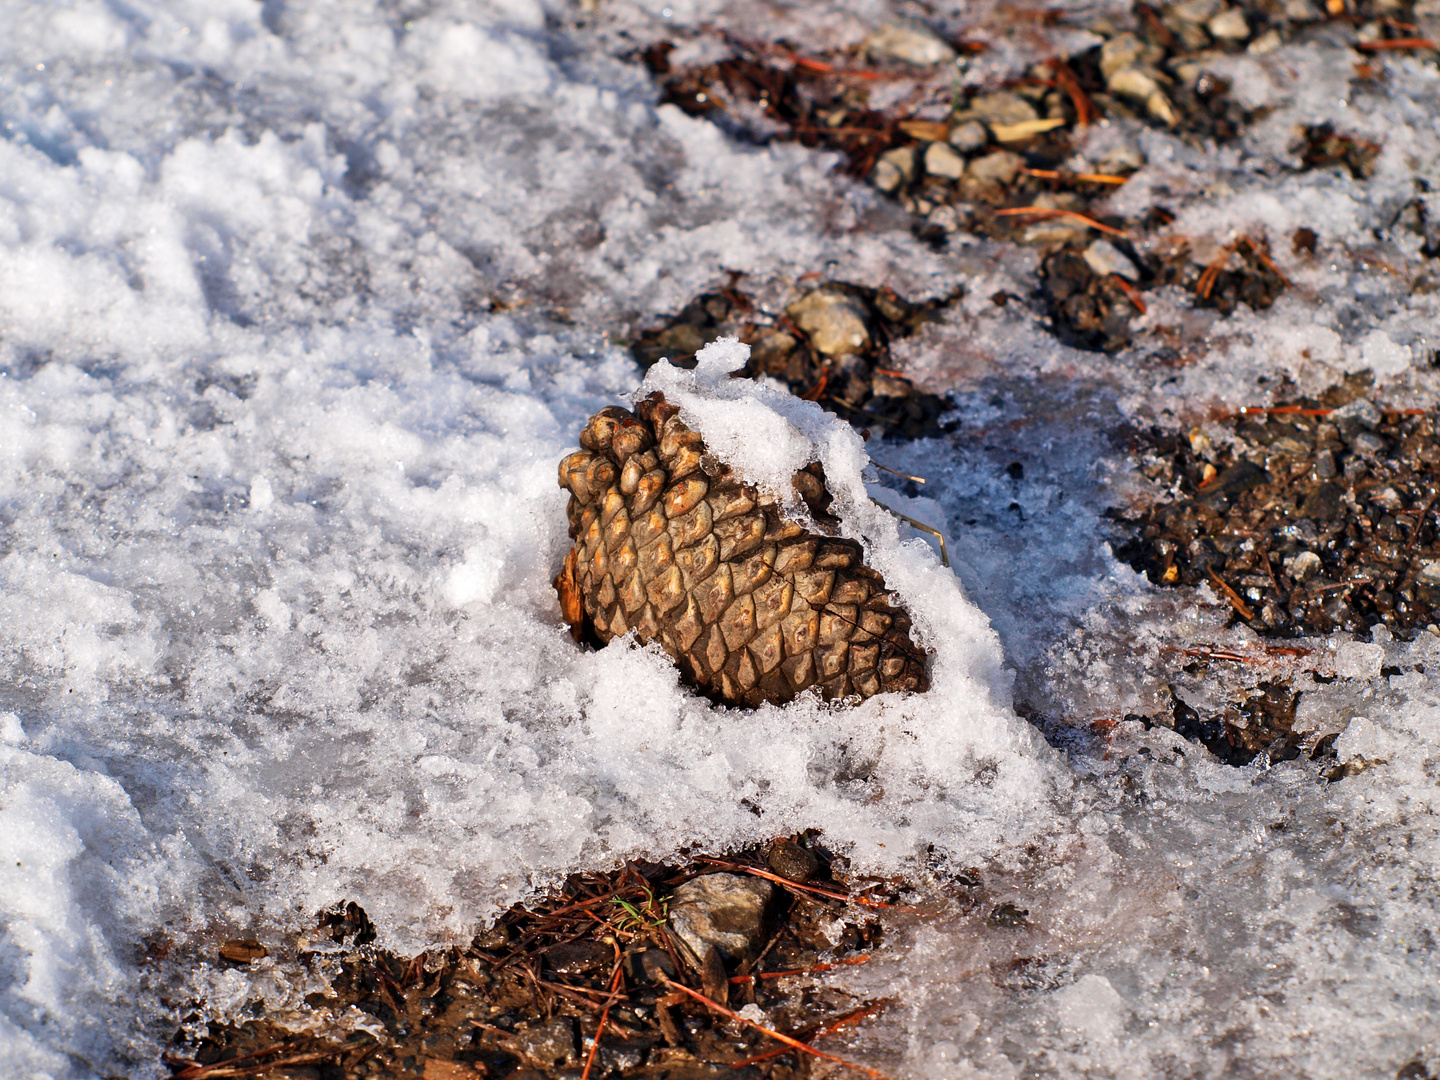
column 752, row 606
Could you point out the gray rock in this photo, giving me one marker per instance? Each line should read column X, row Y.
column 549, row 1045
column 1196, row 11
column 1121, row 51
column 886, row 176
column 787, row 858
column 911, row 42
column 1131, row 82
column 833, row 320
column 1361, row 410
column 1105, row 259
column 1192, row 36
column 969, row 136
column 1004, row 108
column 942, row 159
column 894, row 169
column 726, row 911
column 998, row 167
column 1266, row 43
column 1303, row 566
column 1229, row 25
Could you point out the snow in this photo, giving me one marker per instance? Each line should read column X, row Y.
column 301, row 304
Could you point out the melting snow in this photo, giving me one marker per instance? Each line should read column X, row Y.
column 301, row 304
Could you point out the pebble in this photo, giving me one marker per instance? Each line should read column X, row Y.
column 969, row 136
column 1192, row 36
column 887, row 176
column 942, row 159
column 1196, row 11
column 1121, row 51
column 726, row 911
column 1302, row 11
column 791, row 861
column 1003, row 108
column 833, row 320
column 1266, row 43
column 549, row 1045
column 1303, row 566
column 1132, row 83
column 1229, row 25
column 911, row 42
column 1105, row 259
column 998, row 167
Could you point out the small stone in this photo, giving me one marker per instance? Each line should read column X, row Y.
column 576, row 957
column 1302, row 11
column 1055, row 231
column 650, row 965
column 550, row 1045
column 1266, row 43
column 911, row 42
column 1106, row 259
column 1131, row 82
column 998, row 167
column 793, row 862
column 1192, row 36
column 1229, row 25
column 726, row 911
column 1302, row 566
column 903, row 159
column 1196, row 11
column 833, row 320
column 969, row 136
column 1369, row 445
column 941, row 159
column 887, row 176
column 945, row 218
column 1158, row 106
column 1004, row 108
column 1119, row 52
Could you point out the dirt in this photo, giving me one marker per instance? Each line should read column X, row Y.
column 526, row 998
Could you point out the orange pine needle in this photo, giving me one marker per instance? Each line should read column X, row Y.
column 1230, row 594
column 831, row 966
column 875, row 1074
column 1087, row 178
column 757, row 872
column 1051, row 212
column 615, row 982
column 828, row 1028
column 1085, row 111
column 1130, row 292
column 1397, row 43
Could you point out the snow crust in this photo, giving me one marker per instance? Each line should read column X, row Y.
column 301, row 303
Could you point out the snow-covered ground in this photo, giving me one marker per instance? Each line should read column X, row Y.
column 300, row 305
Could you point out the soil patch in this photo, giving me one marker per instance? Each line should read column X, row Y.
column 638, row 972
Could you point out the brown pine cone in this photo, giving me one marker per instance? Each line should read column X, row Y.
column 752, row 606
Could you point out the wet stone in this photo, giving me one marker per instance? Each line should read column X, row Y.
column 723, row 911
column 793, row 862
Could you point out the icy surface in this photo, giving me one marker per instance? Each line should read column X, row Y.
column 301, row 303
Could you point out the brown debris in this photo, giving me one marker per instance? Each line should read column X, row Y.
column 1322, row 147
column 583, row 982
column 753, row 607
column 1318, row 516
column 798, row 346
